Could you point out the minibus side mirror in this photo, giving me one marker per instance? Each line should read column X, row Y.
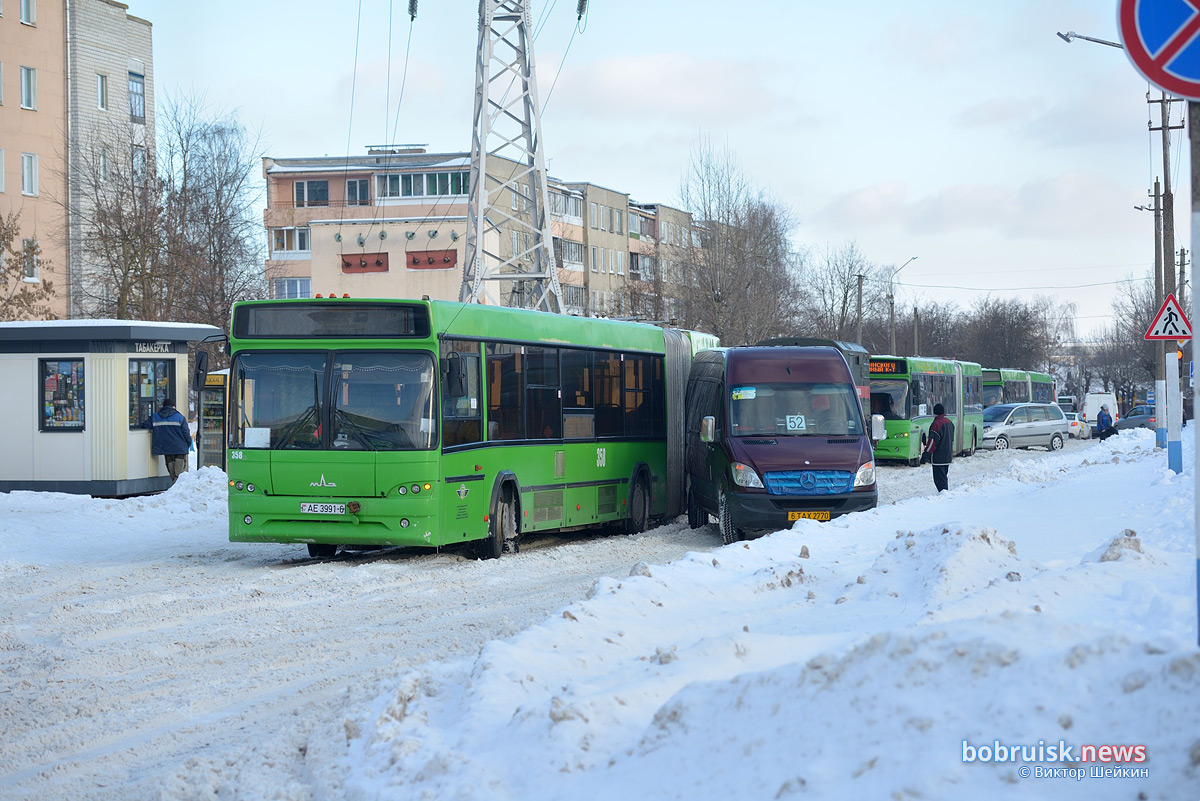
column 878, row 428
column 708, row 427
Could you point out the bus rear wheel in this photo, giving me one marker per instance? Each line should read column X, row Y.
column 639, row 508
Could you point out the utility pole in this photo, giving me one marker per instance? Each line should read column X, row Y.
column 860, row 280
column 916, row 332
column 509, row 241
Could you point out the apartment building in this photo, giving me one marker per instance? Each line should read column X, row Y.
column 392, row 223
column 69, row 69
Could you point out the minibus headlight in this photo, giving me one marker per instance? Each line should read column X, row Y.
column 865, row 476
column 744, row 476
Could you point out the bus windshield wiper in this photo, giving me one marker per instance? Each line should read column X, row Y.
column 292, row 430
column 358, row 431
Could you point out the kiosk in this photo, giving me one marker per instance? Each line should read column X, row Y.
column 75, row 394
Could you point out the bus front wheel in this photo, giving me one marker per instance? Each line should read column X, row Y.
column 321, row 550
column 502, row 530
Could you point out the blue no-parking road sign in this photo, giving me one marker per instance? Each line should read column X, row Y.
column 1162, row 39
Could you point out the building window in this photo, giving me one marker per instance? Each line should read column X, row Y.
column 620, row 262
column 29, row 12
column 568, row 252
column 289, row 240
column 616, row 221
column 592, row 215
column 137, row 162
column 137, row 97
column 150, row 382
column 62, row 394
column 28, row 88
column 102, row 92
column 102, row 164
column 29, row 174
column 595, row 259
column 421, row 184
column 286, row 288
column 312, row 193
column 356, row 192
column 29, row 260
column 1, row 170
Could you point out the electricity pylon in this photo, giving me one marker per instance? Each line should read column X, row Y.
column 509, row 243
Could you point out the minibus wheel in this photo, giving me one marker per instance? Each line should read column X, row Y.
column 729, row 534
column 696, row 518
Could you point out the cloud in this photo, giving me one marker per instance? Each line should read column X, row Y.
column 1066, row 206
column 680, row 88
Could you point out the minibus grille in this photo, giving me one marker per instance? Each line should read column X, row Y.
column 809, row 482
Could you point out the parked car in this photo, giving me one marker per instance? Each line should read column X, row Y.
column 1025, row 425
column 1137, row 417
column 1079, row 429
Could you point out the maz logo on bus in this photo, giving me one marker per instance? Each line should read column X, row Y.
column 601, row 457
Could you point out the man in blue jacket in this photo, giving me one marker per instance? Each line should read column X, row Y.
column 172, row 438
column 939, row 448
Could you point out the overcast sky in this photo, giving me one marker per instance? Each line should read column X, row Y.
column 966, row 134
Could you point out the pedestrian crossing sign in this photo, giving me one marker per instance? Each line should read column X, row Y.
column 1170, row 322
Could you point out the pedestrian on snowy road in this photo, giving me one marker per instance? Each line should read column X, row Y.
column 939, row 448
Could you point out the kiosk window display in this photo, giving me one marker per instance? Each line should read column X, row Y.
column 150, row 380
column 62, row 394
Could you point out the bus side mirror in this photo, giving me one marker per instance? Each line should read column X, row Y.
column 455, row 376
column 708, row 427
column 878, row 428
column 200, row 373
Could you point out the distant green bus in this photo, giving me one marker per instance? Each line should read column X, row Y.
column 905, row 389
column 428, row 423
column 1007, row 385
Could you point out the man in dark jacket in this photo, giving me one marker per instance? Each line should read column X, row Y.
column 172, row 438
column 939, row 448
column 1104, row 423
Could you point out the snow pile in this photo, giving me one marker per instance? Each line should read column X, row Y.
column 850, row 659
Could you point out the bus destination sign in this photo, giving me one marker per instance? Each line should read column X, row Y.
column 888, row 366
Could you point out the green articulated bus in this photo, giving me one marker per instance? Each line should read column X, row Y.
column 429, row 423
column 1007, row 385
column 905, row 389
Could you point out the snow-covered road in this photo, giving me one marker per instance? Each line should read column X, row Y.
column 144, row 655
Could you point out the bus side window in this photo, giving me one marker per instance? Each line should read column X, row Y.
column 462, row 413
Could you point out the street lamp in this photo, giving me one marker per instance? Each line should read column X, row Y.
column 892, row 302
column 1070, row 35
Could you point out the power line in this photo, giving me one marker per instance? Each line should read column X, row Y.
column 1020, row 288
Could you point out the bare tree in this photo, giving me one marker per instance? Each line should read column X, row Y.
column 741, row 282
column 1004, row 333
column 170, row 235
column 831, row 306
column 22, row 299
column 213, row 241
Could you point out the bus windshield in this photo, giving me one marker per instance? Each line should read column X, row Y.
column 795, row 410
column 890, row 398
column 344, row 400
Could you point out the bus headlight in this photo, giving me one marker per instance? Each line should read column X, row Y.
column 865, row 476
column 745, row 476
